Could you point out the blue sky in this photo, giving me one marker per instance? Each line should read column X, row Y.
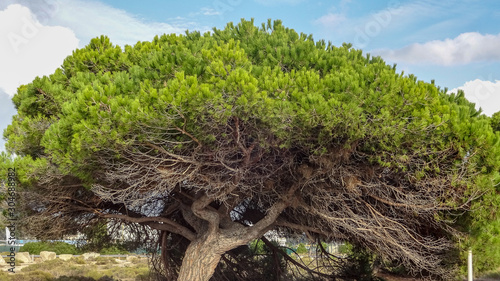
column 456, row 43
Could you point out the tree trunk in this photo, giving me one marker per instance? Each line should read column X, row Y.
column 200, row 260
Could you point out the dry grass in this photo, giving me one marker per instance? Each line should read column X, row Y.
column 97, row 268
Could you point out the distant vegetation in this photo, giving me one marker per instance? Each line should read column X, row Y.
column 58, row 247
column 35, row 248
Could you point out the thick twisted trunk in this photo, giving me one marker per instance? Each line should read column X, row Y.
column 205, row 251
column 200, row 259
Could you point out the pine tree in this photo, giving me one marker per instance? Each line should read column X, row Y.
column 213, row 139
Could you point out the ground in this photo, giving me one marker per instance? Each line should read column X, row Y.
column 119, row 269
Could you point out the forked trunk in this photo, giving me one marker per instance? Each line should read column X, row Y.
column 200, row 260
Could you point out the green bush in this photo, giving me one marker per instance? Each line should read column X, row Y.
column 58, row 247
column 258, row 247
column 114, row 250
column 360, row 265
column 301, row 249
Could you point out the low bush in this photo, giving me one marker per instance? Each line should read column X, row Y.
column 58, row 247
column 114, row 250
column 18, row 262
column 46, row 265
column 105, row 260
column 301, row 249
column 78, row 260
column 31, row 276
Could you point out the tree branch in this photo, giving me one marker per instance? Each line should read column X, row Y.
column 199, row 208
column 246, row 234
column 157, row 221
column 301, row 227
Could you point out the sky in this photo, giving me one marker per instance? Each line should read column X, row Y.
column 455, row 43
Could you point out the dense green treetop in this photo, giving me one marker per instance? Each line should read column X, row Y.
column 97, row 96
column 178, row 96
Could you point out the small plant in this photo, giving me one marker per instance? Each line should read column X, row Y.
column 105, row 260
column 360, row 265
column 37, row 275
column 301, row 249
column 18, row 262
column 45, row 266
column 257, row 247
column 78, row 260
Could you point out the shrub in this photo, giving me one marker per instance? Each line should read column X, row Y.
column 105, row 260
column 45, row 266
column 258, row 247
column 32, row 276
column 18, row 262
column 301, row 249
column 360, row 265
column 114, row 250
column 78, row 260
column 58, row 247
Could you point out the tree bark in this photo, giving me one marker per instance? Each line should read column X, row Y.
column 200, row 259
column 204, row 253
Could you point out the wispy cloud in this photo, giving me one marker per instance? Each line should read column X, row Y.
column 210, row 12
column 466, row 48
column 361, row 29
column 485, row 94
column 279, row 2
column 90, row 19
column 395, row 22
column 330, row 20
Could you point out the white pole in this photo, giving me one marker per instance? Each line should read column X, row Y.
column 469, row 267
column 7, row 235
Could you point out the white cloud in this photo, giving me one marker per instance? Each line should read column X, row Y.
column 30, row 48
column 330, row 20
column 484, row 94
column 466, row 48
column 39, row 37
column 89, row 19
